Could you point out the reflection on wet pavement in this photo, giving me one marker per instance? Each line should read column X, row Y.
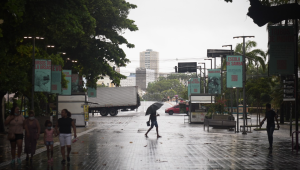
column 119, row 143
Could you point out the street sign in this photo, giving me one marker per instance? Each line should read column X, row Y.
column 212, row 53
column 289, row 90
column 214, row 81
column 56, row 79
column 281, row 50
column 42, row 78
column 184, row 67
column 234, row 71
column 194, row 86
column 86, row 112
column 92, row 92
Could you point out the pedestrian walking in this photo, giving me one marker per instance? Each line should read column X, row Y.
column 32, row 134
column 15, row 122
column 48, row 139
column 65, row 135
column 153, row 119
column 271, row 116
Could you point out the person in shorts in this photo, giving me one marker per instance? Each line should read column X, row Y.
column 153, row 120
column 15, row 122
column 65, row 123
column 48, row 139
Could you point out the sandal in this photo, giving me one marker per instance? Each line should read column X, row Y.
column 63, row 161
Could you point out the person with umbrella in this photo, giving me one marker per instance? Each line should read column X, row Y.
column 153, row 117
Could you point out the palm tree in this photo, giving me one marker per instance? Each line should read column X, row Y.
column 255, row 57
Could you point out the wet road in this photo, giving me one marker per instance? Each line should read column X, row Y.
column 119, row 143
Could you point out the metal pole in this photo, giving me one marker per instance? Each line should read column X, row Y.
column 200, row 80
column 32, row 81
column 204, row 78
column 244, row 85
column 231, row 89
column 237, row 110
column 296, row 80
column 221, row 75
column 215, row 62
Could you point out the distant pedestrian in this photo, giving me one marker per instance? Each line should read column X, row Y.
column 270, row 116
column 153, row 120
column 32, row 134
column 48, row 139
column 65, row 135
column 15, row 122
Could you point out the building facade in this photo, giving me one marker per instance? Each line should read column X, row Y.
column 106, row 80
column 143, row 77
column 129, row 81
column 149, row 59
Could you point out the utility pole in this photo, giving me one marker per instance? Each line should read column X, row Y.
column 244, row 82
column 296, row 80
column 226, row 67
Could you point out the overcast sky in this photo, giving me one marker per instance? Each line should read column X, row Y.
column 185, row 29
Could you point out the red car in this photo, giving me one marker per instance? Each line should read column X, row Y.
column 175, row 109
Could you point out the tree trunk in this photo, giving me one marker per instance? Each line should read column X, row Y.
column 261, row 14
column 2, row 118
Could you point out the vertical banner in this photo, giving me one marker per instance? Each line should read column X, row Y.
column 214, row 81
column 281, row 50
column 86, row 112
column 68, row 75
column 56, row 79
column 92, row 92
column 234, row 71
column 75, row 83
column 42, row 78
column 194, row 86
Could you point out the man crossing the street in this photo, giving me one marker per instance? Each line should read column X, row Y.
column 270, row 116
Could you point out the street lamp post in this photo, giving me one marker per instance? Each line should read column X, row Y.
column 244, row 80
column 204, row 76
column 230, row 89
column 33, row 70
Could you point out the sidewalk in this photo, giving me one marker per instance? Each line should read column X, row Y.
column 5, row 145
column 119, row 143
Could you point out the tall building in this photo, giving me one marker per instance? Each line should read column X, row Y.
column 143, row 77
column 129, row 81
column 149, row 59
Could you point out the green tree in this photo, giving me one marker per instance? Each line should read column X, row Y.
column 253, row 56
column 90, row 32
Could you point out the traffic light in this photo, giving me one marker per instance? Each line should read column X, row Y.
column 289, row 90
column 175, row 69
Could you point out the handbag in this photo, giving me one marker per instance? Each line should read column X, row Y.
column 11, row 136
column 148, row 123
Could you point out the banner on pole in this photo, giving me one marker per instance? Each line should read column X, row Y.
column 281, row 50
column 68, row 76
column 92, row 92
column 42, row 78
column 234, row 71
column 56, row 79
column 86, row 113
column 214, row 81
column 194, row 86
column 75, row 83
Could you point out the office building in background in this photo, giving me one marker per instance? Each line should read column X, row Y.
column 143, row 77
column 149, row 59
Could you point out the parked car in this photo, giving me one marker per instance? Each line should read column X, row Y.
column 176, row 109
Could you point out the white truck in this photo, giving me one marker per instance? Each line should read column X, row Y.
column 111, row 99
